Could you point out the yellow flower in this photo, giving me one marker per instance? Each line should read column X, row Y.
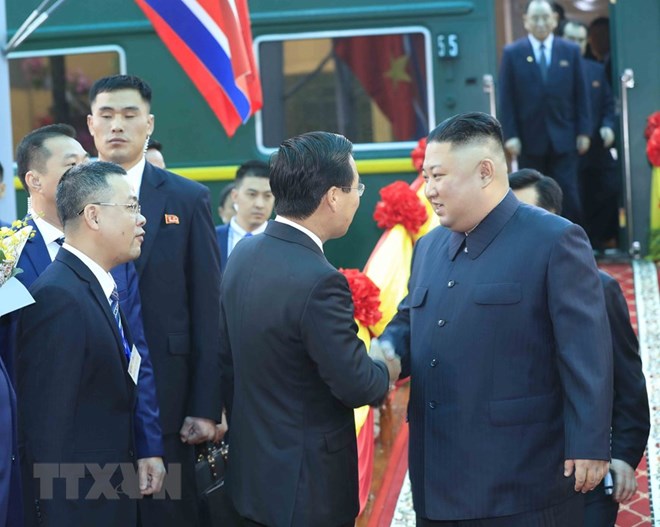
column 12, row 241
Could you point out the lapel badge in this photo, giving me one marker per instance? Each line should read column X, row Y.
column 171, row 219
column 563, row 63
column 529, row 59
column 596, row 84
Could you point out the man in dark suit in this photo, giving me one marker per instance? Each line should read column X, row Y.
column 505, row 336
column 253, row 201
column 76, row 365
column 11, row 507
column 630, row 411
column 42, row 157
column 179, row 279
column 290, row 340
column 600, row 186
column 544, row 104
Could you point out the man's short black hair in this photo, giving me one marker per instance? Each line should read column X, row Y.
column 305, row 167
column 31, row 152
column 156, row 145
column 549, row 191
column 120, row 82
column 254, row 168
column 224, row 194
column 84, row 184
column 468, row 128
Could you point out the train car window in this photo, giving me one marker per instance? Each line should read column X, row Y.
column 52, row 87
column 372, row 86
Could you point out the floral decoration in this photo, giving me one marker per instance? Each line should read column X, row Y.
column 653, row 148
column 418, row 154
column 366, row 297
column 12, row 240
column 652, row 124
column 400, row 205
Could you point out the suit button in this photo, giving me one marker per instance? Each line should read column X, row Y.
column 451, row 283
column 434, row 363
column 130, row 453
column 13, row 458
column 432, row 405
column 441, row 322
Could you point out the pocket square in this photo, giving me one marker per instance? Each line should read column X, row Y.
column 171, row 218
column 563, row 64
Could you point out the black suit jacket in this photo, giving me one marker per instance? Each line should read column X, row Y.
column 76, row 397
column 630, row 411
column 179, row 278
column 299, row 370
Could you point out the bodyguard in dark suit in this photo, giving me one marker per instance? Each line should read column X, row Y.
column 42, row 157
column 179, row 279
column 505, row 336
column 298, row 377
column 76, row 390
column 253, row 201
column 544, row 104
column 11, row 506
column 630, row 409
column 600, row 186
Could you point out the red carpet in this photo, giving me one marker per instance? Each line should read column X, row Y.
column 635, row 513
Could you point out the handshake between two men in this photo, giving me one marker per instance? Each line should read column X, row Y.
column 384, row 351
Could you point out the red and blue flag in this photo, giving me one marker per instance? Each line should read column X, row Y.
column 212, row 41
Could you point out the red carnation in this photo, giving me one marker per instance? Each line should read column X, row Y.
column 418, row 154
column 366, row 297
column 400, row 205
column 652, row 124
column 653, row 148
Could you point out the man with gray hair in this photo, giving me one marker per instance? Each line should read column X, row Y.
column 77, row 368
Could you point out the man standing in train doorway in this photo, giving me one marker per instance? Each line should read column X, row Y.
column 544, row 103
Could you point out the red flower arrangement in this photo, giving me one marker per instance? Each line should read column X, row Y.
column 366, row 297
column 652, row 124
column 418, row 154
column 653, row 148
column 400, row 205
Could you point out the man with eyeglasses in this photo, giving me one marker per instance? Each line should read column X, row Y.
column 43, row 156
column 544, row 103
column 179, row 278
column 77, row 366
column 295, row 365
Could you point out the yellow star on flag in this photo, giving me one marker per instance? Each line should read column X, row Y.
column 397, row 72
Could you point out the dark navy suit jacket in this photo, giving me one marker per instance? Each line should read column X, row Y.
column 222, row 235
column 510, row 356
column 11, row 506
column 148, row 435
column 545, row 117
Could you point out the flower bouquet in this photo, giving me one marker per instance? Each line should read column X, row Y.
column 13, row 295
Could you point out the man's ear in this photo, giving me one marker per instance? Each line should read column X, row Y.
column 331, row 198
column 91, row 217
column 33, row 182
column 486, row 172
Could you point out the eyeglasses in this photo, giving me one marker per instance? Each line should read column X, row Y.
column 133, row 208
column 360, row 189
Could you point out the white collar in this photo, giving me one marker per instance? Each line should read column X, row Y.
column 134, row 175
column 105, row 279
column 305, row 230
column 241, row 232
column 536, row 44
column 49, row 232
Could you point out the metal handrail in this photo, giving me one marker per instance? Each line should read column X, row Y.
column 627, row 83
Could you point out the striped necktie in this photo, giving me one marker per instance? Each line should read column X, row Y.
column 114, row 306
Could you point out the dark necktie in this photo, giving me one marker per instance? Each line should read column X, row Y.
column 247, row 235
column 59, row 241
column 543, row 63
column 114, row 306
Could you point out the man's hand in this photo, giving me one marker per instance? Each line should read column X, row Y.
column 513, row 146
column 625, row 483
column 196, row 430
column 583, row 143
column 607, row 135
column 588, row 473
column 384, row 351
column 221, row 429
column 151, row 473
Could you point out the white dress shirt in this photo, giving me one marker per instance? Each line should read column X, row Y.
column 305, row 230
column 105, row 279
column 49, row 233
column 134, row 175
column 536, row 46
column 237, row 233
